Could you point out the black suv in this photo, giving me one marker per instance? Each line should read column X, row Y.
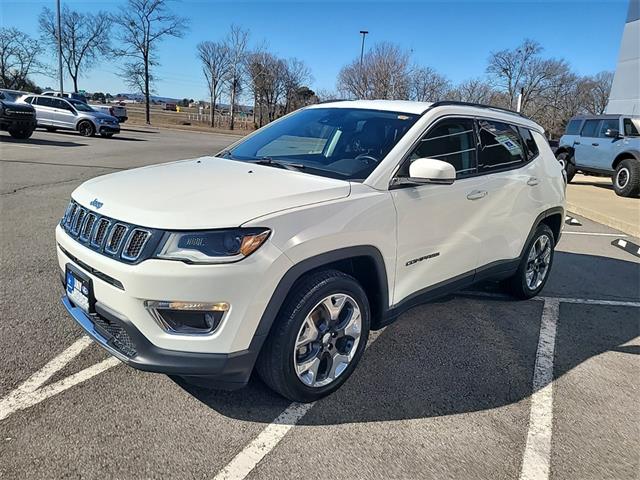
column 19, row 119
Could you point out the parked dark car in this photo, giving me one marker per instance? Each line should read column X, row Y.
column 18, row 119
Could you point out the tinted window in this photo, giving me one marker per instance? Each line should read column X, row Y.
column 46, row 101
column 61, row 104
column 28, row 99
column 453, row 141
column 529, row 143
column 573, row 128
column 501, row 146
column 609, row 123
column 630, row 130
column 590, row 128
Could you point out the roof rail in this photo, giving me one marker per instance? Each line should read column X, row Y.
column 478, row 105
column 334, row 101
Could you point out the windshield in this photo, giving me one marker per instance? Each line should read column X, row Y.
column 80, row 106
column 345, row 143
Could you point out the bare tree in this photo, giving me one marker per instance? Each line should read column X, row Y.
column 84, row 38
column 477, row 90
column 18, row 58
column 427, row 85
column 215, row 66
column 237, row 43
column 383, row 73
column 595, row 92
column 142, row 24
column 297, row 74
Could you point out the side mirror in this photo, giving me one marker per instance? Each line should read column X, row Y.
column 612, row 132
column 430, row 170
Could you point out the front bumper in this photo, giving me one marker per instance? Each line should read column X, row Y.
column 118, row 336
column 109, row 129
column 7, row 123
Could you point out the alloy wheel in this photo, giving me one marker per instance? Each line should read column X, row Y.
column 622, row 177
column 327, row 340
column 538, row 262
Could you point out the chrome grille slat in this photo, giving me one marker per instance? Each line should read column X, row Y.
column 120, row 240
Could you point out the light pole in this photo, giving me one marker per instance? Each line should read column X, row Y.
column 60, row 49
column 364, row 34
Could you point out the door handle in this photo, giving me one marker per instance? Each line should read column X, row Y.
column 595, row 144
column 477, row 194
column 533, row 181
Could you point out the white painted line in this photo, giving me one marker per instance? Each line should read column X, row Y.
column 20, row 399
column 537, row 452
column 594, row 234
column 248, row 458
column 589, row 301
column 622, row 243
column 41, row 376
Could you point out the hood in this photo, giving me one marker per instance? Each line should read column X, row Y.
column 17, row 107
column 206, row 192
column 99, row 114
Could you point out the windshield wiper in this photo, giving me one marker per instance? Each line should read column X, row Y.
column 275, row 163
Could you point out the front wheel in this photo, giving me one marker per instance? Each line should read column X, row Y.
column 626, row 180
column 318, row 338
column 535, row 265
column 86, row 128
column 21, row 133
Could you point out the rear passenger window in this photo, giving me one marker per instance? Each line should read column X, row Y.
column 609, row 123
column 573, row 127
column 501, row 146
column 453, row 141
column 529, row 143
column 630, row 129
column 45, row 101
column 590, row 128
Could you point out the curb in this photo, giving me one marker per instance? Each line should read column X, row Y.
column 628, row 228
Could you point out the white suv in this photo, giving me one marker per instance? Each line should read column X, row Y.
column 283, row 251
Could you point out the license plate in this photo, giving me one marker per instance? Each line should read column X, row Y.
column 79, row 289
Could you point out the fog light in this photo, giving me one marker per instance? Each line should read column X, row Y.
column 190, row 318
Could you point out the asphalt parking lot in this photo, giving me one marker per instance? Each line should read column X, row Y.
column 472, row 386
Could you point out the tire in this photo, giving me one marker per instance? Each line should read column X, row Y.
column 626, row 180
column 86, row 128
column 21, row 133
column 523, row 284
column 569, row 167
column 283, row 358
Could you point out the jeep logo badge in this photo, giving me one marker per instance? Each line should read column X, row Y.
column 96, row 203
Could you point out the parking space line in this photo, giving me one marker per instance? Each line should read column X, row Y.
column 31, row 391
column 248, row 458
column 588, row 301
column 537, row 452
column 595, row 234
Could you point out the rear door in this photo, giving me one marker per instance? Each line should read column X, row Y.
column 607, row 147
column 45, row 111
column 512, row 203
column 585, row 149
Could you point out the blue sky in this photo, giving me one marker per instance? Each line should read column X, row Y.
column 454, row 37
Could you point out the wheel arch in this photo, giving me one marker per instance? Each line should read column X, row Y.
column 365, row 263
column 552, row 218
column 565, row 149
column 80, row 120
column 627, row 154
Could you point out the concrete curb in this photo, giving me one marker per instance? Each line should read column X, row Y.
column 618, row 224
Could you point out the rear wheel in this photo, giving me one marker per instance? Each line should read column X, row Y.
column 21, row 132
column 535, row 265
column 318, row 338
column 626, row 180
column 567, row 162
column 86, row 128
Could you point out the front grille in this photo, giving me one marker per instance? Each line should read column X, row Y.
column 100, row 233
column 135, row 244
column 120, row 240
column 89, row 222
column 117, row 336
column 115, row 238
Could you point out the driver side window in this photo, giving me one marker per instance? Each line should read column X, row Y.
column 451, row 140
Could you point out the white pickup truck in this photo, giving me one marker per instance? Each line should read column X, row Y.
column 115, row 110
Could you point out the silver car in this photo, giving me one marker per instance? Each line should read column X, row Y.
column 55, row 113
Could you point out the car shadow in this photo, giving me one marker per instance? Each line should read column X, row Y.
column 464, row 353
column 41, row 142
column 606, row 186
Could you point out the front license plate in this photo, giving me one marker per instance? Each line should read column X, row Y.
column 78, row 288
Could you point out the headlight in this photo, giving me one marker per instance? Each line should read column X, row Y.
column 99, row 120
column 213, row 246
